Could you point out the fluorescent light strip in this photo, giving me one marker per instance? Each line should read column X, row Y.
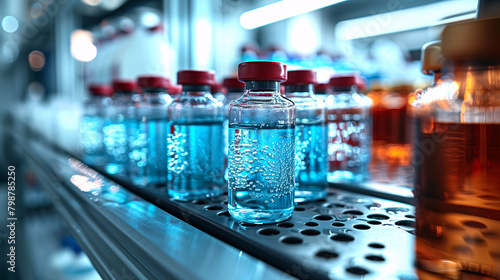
column 403, row 20
column 281, row 10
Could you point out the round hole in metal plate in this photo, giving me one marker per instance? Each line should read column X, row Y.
column 213, row 207
column 353, row 212
column 361, row 227
column 474, row 224
column 338, row 224
column 342, row 237
column 378, row 217
column 268, row 231
column 375, row 258
column 200, row 201
column 286, row 225
column 224, row 213
column 292, row 240
column 310, row 232
column 409, row 216
column 323, row 217
column 374, row 222
column 324, row 254
column 376, row 245
column 311, row 224
column 247, row 224
column 405, row 223
column 357, row 270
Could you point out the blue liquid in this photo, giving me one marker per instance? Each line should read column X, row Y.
column 261, row 173
column 195, row 160
column 148, row 152
column 348, row 148
column 310, row 162
column 91, row 140
column 115, row 141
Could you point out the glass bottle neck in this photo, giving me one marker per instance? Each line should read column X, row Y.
column 345, row 90
column 153, row 96
column 195, row 90
column 262, row 88
column 299, row 90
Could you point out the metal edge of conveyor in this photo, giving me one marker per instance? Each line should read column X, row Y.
column 140, row 260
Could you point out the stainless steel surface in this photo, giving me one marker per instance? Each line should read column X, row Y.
column 129, row 238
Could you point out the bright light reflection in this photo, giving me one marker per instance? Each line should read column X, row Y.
column 10, row 24
column 86, row 184
column 82, row 48
column 281, row 10
column 402, row 20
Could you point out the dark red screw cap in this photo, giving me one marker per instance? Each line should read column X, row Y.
column 101, row 90
column 320, row 88
column 301, row 77
column 262, row 71
column 233, row 83
column 174, row 90
column 152, row 82
column 195, row 77
column 361, row 82
column 122, row 85
column 217, row 88
column 343, row 81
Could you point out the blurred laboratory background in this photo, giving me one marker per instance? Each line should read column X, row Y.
column 51, row 51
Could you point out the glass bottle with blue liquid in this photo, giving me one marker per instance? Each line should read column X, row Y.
column 349, row 120
column 115, row 127
column 310, row 135
column 235, row 90
column 195, row 155
column 92, row 123
column 261, row 164
column 148, row 133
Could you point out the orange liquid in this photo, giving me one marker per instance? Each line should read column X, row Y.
column 458, row 198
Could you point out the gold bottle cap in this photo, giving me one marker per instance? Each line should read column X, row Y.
column 432, row 59
column 472, row 42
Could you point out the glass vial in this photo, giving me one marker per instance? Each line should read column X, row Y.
column 349, row 131
column 148, row 133
column 457, row 157
column 92, row 123
column 195, row 155
column 261, row 164
column 310, row 135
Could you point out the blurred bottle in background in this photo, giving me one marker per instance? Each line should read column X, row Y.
column 349, row 121
column 195, row 154
column 457, row 157
column 92, row 123
column 261, row 165
column 321, row 91
column 148, row 132
column 311, row 159
column 219, row 92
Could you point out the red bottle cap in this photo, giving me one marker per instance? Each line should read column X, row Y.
column 195, row 77
column 152, row 82
column 301, row 77
column 123, row 85
column 321, row 87
column 174, row 89
column 233, row 83
column 343, row 81
column 361, row 82
column 101, row 90
column 262, row 71
column 216, row 88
